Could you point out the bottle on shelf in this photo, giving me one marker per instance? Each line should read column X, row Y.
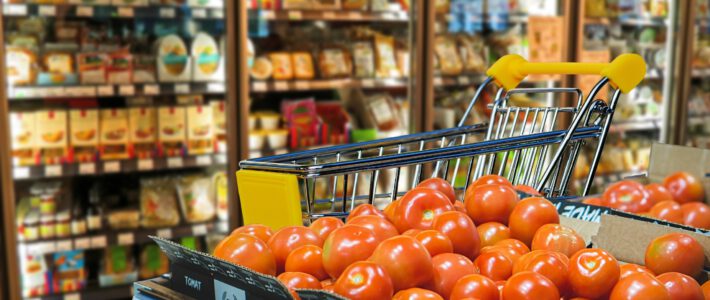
column 78, row 224
column 95, row 211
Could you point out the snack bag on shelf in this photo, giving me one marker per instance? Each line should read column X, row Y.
column 36, row 275
column 118, row 266
column 356, row 4
column 84, row 134
column 302, row 65
column 473, row 53
column 58, row 69
column 282, row 65
column 385, row 57
column 92, row 67
column 114, row 134
column 21, row 66
column 153, row 262
column 53, row 143
column 196, row 198
column 127, row 218
column 69, row 272
column 171, row 122
column 158, row 203
column 200, row 136
column 142, row 124
column 302, row 122
column 120, row 70
column 336, row 123
column 363, row 59
column 447, row 53
column 143, row 68
column 24, row 138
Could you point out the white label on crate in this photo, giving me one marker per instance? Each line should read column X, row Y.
column 228, row 292
column 98, row 242
column 145, row 164
column 216, row 87
column 368, row 83
column 112, row 167
column 302, row 85
column 166, row 233
column 182, row 88
column 464, row 80
column 85, row 11
column 105, row 90
column 47, row 10
column 280, row 85
column 167, row 12
column 329, row 15
column 72, row 296
column 21, row 173
column 15, row 10
column 64, row 245
column 295, row 15
column 126, row 12
column 87, row 168
column 151, row 89
column 175, row 162
column 127, row 90
column 200, row 229
column 53, row 170
column 82, row 243
column 127, row 238
column 199, row 13
column 259, row 86
column 217, row 14
column 203, row 160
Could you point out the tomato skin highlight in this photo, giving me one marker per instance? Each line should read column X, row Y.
column 382, row 228
column 667, row 210
column 553, row 265
column 440, row 185
column 419, row 207
column 364, row 209
column 657, row 192
column 675, row 252
column 628, row 196
column 529, row 215
column 593, row 273
column 364, row 280
column 492, row 232
column 299, row 280
column 496, row 265
column 530, row 285
column 628, row 269
column 288, row 239
column 639, row 286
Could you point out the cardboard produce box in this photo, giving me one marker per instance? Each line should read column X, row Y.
column 666, row 159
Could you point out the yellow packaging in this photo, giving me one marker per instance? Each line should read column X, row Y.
column 114, row 134
column 20, row 66
column 52, row 131
column 22, row 132
column 385, row 54
column 171, row 126
column 219, row 120
column 302, row 65
column 143, row 133
column 200, row 136
column 61, row 63
column 283, row 68
column 84, row 137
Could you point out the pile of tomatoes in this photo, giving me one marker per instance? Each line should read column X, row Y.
column 493, row 245
column 680, row 199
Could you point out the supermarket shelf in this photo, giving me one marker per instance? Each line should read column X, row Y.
column 333, row 15
column 369, row 83
column 636, row 125
column 111, row 90
column 627, row 20
column 700, row 73
column 112, row 11
column 117, row 166
column 698, row 119
column 515, row 18
column 94, row 293
column 126, row 237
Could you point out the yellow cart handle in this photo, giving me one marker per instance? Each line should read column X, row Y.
column 624, row 72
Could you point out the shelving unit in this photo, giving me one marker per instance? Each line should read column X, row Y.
column 112, row 11
column 95, row 293
column 115, row 90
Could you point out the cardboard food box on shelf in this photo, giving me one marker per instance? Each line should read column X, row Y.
column 52, row 134
column 201, row 276
column 200, row 135
column 114, row 134
column 219, row 120
column 208, row 63
column 84, row 134
column 24, row 138
column 143, row 126
column 171, row 130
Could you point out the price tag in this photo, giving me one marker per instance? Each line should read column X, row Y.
column 204, row 160
column 464, row 80
column 182, row 88
column 47, row 10
column 127, row 90
column 280, row 85
column 105, row 90
column 216, row 87
column 438, row 81
column 64, row 245
column 82, row 243
column 166, row 233
column 268, row 14
column 390, row 16
column 126, row 12
column 167, row 13
column 72, row 296
column 200, row 229
column 355, row 15
column 53, row 170
column 98, row 241
column 81, row 91
column 295, row 15
column 259, row 86
column 199, row 13
column 55, row 92
column 151, row 89
column 15, row 10
column 87, row 168
column 84, row 11
column 217, row 14
column 125, row 239
column 368, row 83
column 175, row 162
column 302, row 85
column 329, row 15
column 145, row 164
column 112, row 167
column 21, row 173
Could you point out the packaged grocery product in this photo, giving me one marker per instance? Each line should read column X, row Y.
column 355, row 4
column 441, row 6
column 262, row 68
column 123, row 219
column 171, row 126
column 92, row 67
column 298, row 4
column 334, row 61
column 402, row 60
column 256, row 139
column 173, row 59
column 30, row 227
column 153, row 262
column 35, row 275
column 472, row 50
column 23, row 41
column 383, row 111
column 196, row 198
column 120, row 68
column 206, row 54
column 282, row 64
column 117, row 267
column 219, row 121
column 363, row 59
column 447, row 52
column 84, row 136
column 221, row 196
column 142, row 125
column 47, row 228
column 200, row 136
column 69, row 272
column 58, row 68
column 67, row 31
column 114, row 134
column 133, row 2
column 158, row 205
column 385, row 53
column 302, row 65
column 23, row 137
column 20, row 66
column 143, row 68
column 51, row 126
column 302, row 121
column 335, row 128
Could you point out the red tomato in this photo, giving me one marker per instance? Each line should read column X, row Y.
column 416, row 294
column 435, row 242
column 681, row 286
column 628, row 269
column 307, row 259
column 412, row 232
column 389, row 210
column 288, row 239
column 552, row 265
column 440, row 185
column 489, row 179
column 558, row 238
column 364, row 210
column 448, row 269
column 627, row 195
column 418, row 208
column 345, row 246
column 529, row 215
column 657, row 193
column 530, row 285
column 364, row 280
column 593, row 201
column 527, row 189
column 324, row 226
column 706, row 290
column 675, row 252
column 298, row 280
column 247, row 251
column 461, row 231
column 510, row 252
column 667, row 210
column 459, row 206
column 639, row 286
column 382, row 228
column 491, row 203
column 258, row 231
column 684, row 187
column 492, row 232
column 406, row 261
column 516, row 245
column 592, row 273
column 496, row 265
column 696, row 214
column 474, row 286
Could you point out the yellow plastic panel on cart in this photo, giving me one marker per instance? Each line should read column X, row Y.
column 269, row 198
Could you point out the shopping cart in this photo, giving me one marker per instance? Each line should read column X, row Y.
column 527, row 145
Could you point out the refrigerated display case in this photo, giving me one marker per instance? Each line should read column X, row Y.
column 119, row 129
column 697, row 132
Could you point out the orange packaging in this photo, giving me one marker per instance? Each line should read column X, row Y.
column 114, row 134
column 52, row 136
column 171, row 134
column 200, row 135
column 84, row 135
column 142, row 124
